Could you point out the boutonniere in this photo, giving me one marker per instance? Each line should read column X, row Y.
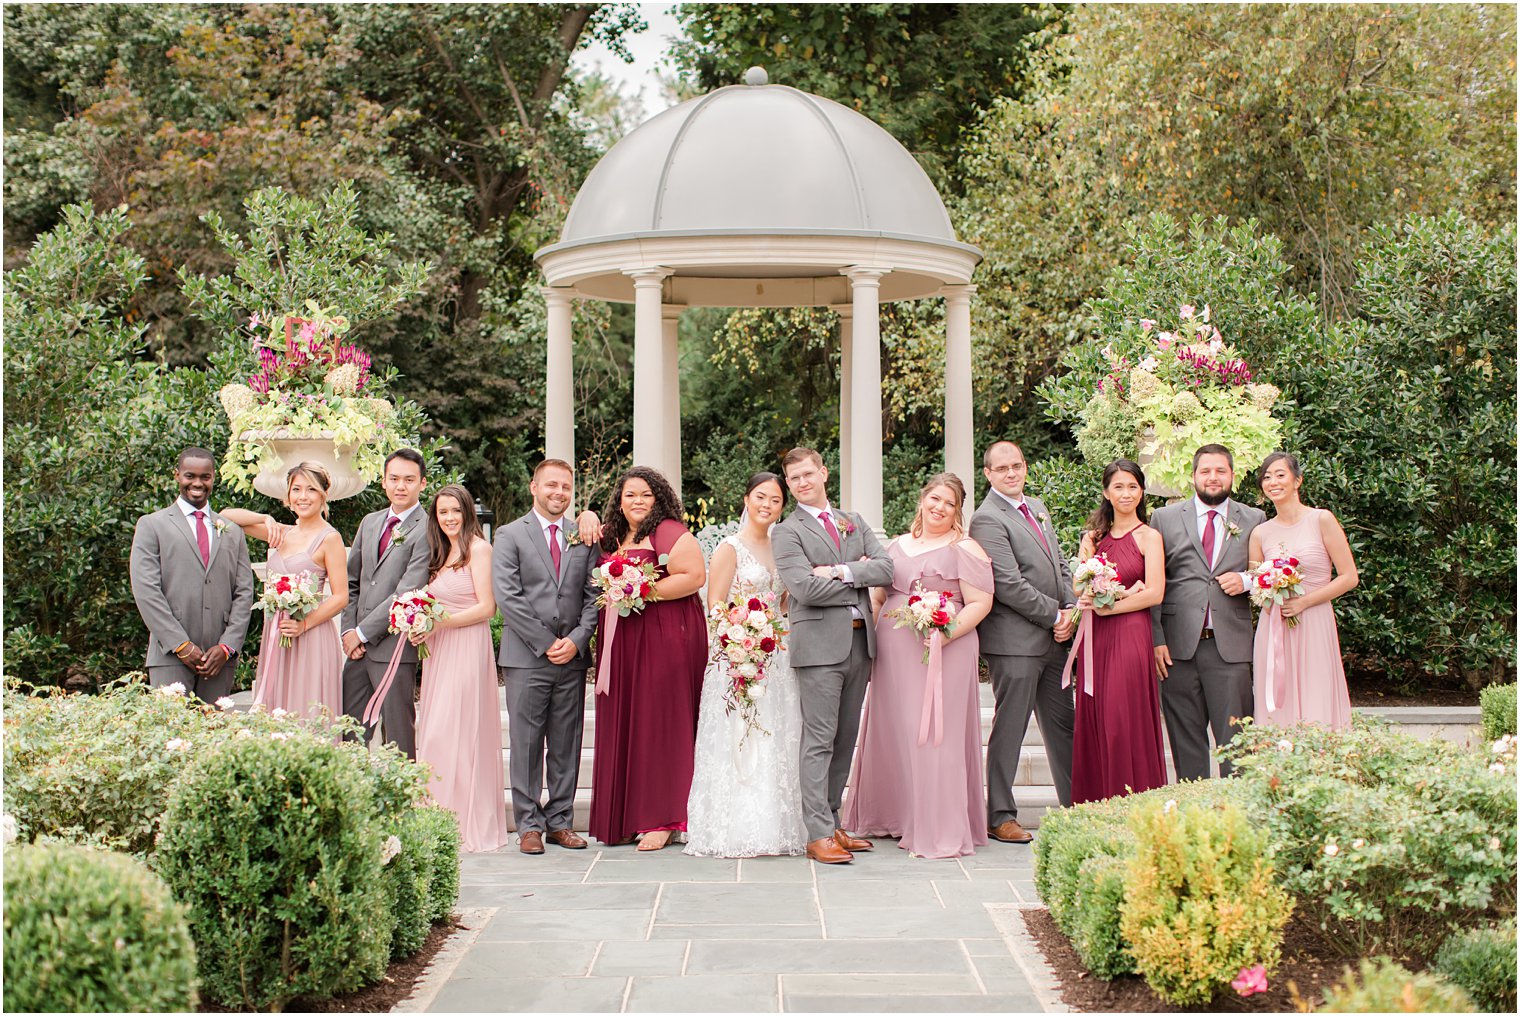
column 573, row 538
column 846, row 527
column 1043, row 518
column 1231, row 528
column 220, row 527
column 398, row 539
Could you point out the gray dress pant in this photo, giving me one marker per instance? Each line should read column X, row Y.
column 398, row 713
column 1202, row 693
column 1021, row 685
column 832, row 697
column 207, row 689
column 546, row 711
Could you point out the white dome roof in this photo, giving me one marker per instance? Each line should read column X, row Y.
column 757, row 159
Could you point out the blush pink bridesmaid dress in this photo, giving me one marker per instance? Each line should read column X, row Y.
column 307, row 678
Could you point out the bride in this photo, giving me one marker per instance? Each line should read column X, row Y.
column 746, row 800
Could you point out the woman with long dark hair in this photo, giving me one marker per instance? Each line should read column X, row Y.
column 459, row 717
column 1117, row 749
column 649, row 677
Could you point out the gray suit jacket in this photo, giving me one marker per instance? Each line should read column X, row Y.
column 374, row 581
column 1191, row 587
column 1030, row 583
column 179, row 597
column 539, row 606
column 819, row 614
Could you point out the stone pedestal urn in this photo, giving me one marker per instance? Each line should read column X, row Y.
column 1143, row 459
column 293, row 448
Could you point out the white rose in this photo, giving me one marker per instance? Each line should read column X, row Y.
column 1331, row 850
column 747, row 670
column 175, row 690
column 279, row 736
column 278, row 712
column 176, row 744
column 389, row 849
column 225, row 703
column 756, row 692
column 758, row 618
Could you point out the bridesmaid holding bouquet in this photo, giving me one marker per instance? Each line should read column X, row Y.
column 307, row 677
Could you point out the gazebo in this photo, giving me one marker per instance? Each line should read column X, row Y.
column 760, row 195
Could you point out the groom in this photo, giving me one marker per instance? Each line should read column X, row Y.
column 828, row 560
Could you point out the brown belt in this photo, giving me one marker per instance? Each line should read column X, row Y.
column 1207, row 633
column 857, row 623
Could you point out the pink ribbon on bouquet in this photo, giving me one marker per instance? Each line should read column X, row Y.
column 1277, row 655
column 1084, row 637
column 934, row 692
column 604, row 668
column 372, row 709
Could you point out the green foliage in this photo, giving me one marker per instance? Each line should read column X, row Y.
column 1070, row 490
column 1404, row 423
column 275, row 848
column 1481, row 961
column 1199, row 904
column 440, row 827
column 1381, row 985
column 1498, row 706
column 1385, row 841
column 1096, row 905
column 91, row 931
column 422, row 878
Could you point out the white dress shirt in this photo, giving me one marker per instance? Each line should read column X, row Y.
column 190, row 510
column 559, row 534
column 848, row 577
column 392, row 514
column 1017, row 506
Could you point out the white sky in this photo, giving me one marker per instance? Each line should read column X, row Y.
column 640, row 79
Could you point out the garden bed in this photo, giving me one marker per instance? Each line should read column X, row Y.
column 1307, row 965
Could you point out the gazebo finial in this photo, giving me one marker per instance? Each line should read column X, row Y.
column 756, row 76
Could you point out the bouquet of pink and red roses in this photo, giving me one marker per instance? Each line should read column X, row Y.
column 1275, row 581
column 1097, row 575
column 746, row 634
column 627, row 585
column 415, row 612
column 926, row 612
column 292, row 595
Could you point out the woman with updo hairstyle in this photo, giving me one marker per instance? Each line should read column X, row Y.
column 1116, row 749
column 1299, row 676
column 649, row 679
column 307, row 677
column 918, row 776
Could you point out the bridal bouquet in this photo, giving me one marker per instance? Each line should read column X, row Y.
column 292, row 595
column 627, row 585
column 1098, row 576
column 747, row 634
column 926, row 612
column 1275, row 581
column 415, row 612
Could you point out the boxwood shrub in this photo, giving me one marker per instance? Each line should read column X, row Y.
column 1497, row 703
column 1481, row 961
column 1381, row 985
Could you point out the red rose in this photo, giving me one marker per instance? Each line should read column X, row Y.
column 614, row 568
column 914, row 599
column 645, row 589
column 755, row 604
column 1293, row 561
column 939, row 619
column 282, row 585
column 768, row 645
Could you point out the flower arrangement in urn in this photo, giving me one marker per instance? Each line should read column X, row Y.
column 1170, row 390
column 311, row 389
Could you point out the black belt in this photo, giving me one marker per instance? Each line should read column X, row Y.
column 857, row 623
column 1207, row 633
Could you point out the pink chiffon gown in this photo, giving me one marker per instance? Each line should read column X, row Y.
column 1303, row 670
column 923, row 786
column 307, row 678
column 1117, row 747
column 459, row 718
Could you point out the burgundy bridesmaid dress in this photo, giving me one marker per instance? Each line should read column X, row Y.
column 1117, row 749
column 646, row 724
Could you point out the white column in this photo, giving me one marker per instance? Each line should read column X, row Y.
column 960, row 456
column 865, row 392
column 559, row 378
column 846, row 317
column 670, row 323
column 648, row 371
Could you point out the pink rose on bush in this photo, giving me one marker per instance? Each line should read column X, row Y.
column 1250, row 981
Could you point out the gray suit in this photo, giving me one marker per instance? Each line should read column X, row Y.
column 373, row 582
column 180, row 598
column 832, row 657
column 1031, row 583
column 1210, row 679
column 546, row 702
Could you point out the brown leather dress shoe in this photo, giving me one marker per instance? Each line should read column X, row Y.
column 852, row 843
column 531, row 843
column 1010, row 832
column 566, row 838
column 827, row 851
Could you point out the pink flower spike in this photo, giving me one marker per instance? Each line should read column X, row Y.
column 1185, row 311
column 1250, row 981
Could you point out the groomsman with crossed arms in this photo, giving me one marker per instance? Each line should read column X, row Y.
column 1025, row 638
column 1202, row 629
column 544, row 586
column 193, row 585
column 389, row 556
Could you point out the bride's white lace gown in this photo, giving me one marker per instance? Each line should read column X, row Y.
column 747, row 802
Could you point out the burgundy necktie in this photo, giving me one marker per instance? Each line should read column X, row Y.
column 202, row 537
column 385, row 534
column 554, row 546
column 828, row 524
column 1029, row 517
column 1208, row 539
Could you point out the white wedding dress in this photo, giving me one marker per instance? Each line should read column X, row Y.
column 747, row 801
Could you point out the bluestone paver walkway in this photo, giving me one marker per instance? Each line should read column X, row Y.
column 608, row 929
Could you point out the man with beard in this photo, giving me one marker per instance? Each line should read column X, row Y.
column 1202, row 629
